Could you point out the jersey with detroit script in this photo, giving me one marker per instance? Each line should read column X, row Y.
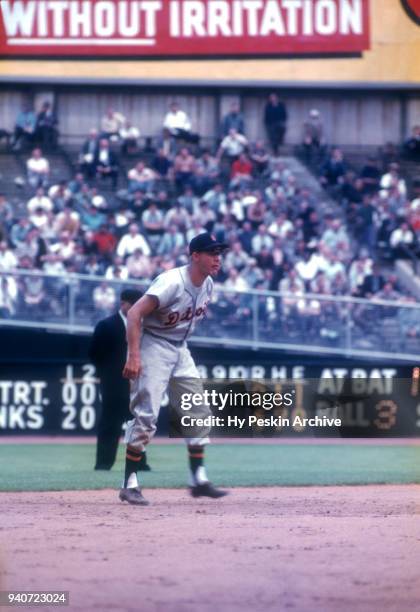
column 181, row 304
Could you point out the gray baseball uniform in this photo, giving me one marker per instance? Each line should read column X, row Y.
column 166, row 361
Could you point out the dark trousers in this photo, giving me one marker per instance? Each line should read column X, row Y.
column 276, row 132
column 47, row 136
column 21, row 137
column 115, row 410
column 88, row 170
column 187, row 136
column 112, row 173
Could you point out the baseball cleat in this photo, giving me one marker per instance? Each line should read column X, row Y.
column 207, row 490
column 133, row 496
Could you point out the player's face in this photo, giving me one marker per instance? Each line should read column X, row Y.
column 209, row 263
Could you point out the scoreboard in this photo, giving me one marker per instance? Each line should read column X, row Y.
column 368, row 400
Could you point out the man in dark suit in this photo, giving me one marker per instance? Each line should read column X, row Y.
column 46, row 126
column 88, row 154
column 373, row 283
column 106, row 162
column 108, row 352
column 275, row 121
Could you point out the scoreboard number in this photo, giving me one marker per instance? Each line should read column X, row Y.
column 386, row 414
column 75, row 391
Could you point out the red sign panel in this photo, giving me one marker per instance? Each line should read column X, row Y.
column 167, row 28
column 412, row 8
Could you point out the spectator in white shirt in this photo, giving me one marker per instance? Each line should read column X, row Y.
column 215, row 197
column 38, row 169
column 232, row 206
column 357, row 275
column 281, row 227
column 111, row 123
column 104, row 299
column 195, row 229
column 321, row 284
column 152, row 222
column 391, row 180
column 43, row 221
column 52, row 264
column 291, row 280
column 415, row 205
column 178, row 124
column 307, row 268
column 67, row 221
column 106, row 162
column 8, row 296
column 60, row 195
column 402, row 241
column 252, row 274
column 141, row 178
column 334, row 267
column 236, row 282
column 177, row 216
column 334, row 234
column 8, row 260
column 237, row 257
column 65, row 248
column 232, row 145
column 40, row 200
column 129, row 135
column 132, row 241
column 34, row 247
column 117, row 270
column 205, row 216
column 139, row 266
column 261, row 239
column 292, row 289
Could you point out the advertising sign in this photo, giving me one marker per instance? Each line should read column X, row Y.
column 168, row 28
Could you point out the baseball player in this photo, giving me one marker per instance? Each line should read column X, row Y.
column 158, row 359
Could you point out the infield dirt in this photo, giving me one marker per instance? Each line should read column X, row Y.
column 303, row 548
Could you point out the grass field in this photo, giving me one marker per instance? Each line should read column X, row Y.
column 49, row 467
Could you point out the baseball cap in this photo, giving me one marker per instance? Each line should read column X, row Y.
column 205, row 242
column 130, row 295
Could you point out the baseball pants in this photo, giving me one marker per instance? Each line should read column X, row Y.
column 166, row 367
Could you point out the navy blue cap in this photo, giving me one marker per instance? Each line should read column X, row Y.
column 205, row 243
column 130, row 295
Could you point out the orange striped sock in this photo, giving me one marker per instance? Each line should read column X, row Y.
column 132, row 460
column 196, row 457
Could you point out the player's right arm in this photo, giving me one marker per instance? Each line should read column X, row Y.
column 143, row 307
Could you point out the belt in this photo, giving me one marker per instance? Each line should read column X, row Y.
column 177, row 343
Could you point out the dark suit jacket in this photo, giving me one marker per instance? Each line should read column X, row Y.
column 112, row 160
column 108, row 351
column 372, row 284
column 108, row 348
column 90, row 146
column 275, row 113
column 47, row 120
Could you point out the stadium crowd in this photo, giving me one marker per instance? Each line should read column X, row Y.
column 105, row 224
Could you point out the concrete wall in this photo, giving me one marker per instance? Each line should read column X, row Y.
column 350, row 118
